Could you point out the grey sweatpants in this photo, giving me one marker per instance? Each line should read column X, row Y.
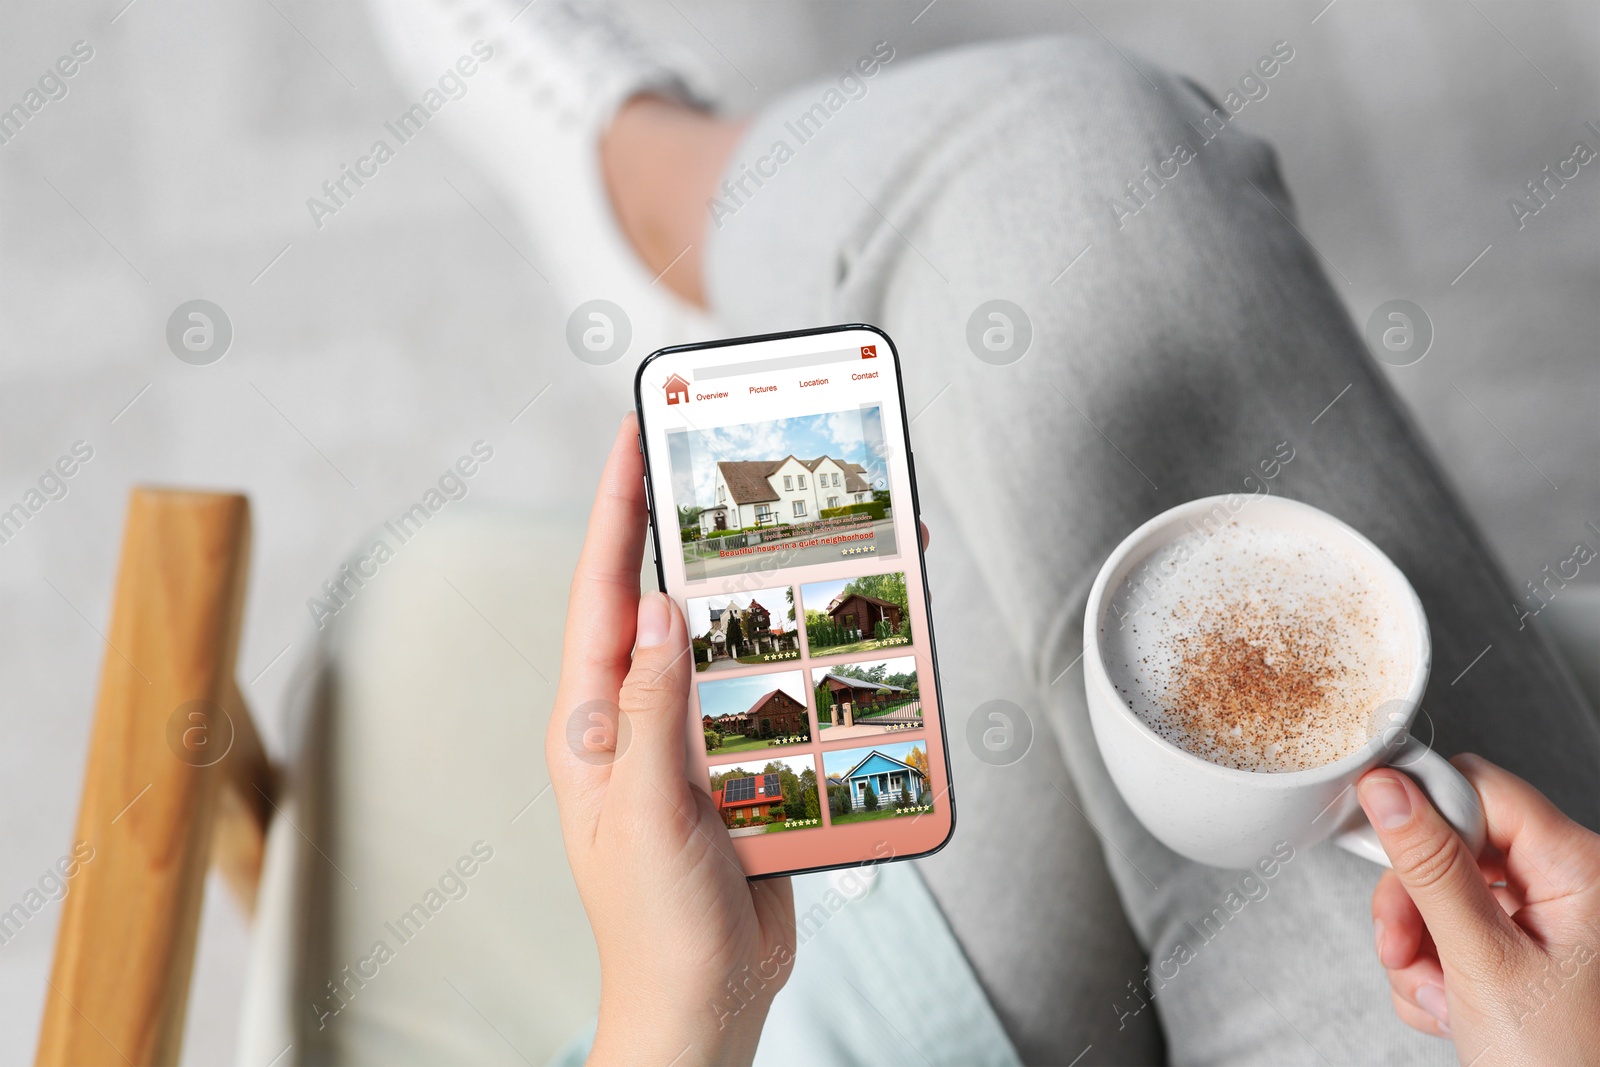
column 1181, row 333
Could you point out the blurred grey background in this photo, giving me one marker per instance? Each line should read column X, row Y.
column 369, row 354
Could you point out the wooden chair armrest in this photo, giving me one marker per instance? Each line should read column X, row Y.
column 176, row 776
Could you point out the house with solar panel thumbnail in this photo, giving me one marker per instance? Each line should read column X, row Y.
column 767, row 797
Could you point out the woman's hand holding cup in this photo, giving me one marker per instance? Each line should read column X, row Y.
column 1501, row 954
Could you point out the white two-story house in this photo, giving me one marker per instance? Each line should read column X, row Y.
column 789, row 490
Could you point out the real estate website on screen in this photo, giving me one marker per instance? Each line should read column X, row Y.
column 782, row 490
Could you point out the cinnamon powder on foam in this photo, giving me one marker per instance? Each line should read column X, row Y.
column 1263, row 656
column 1257, row 690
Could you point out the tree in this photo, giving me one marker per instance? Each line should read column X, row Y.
column 904, row 681
column 918, row 758
column 791, row 786
column 787, row 782
column 812, row 810
column 838, row 800
column 735, row 633
column 890, row 587
column 788, row 595
column 870, row 801
column 688, row 516
column 713, row 740
column 875, row 673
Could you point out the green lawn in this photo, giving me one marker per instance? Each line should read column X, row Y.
column 862, row 646
column 767, row 657
column 881, row 813
column 761, row 657
column 741, row 743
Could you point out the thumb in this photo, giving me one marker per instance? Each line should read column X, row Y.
column 655, row 697
column 1469, row 928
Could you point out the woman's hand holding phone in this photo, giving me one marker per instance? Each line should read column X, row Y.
column 691, row 952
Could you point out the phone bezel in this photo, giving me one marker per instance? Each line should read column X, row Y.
column 922, row 563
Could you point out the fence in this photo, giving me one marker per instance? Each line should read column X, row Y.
column 887, row 800
column 889, row 711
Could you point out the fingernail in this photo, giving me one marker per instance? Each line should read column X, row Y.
column 1430, row 998
column 1386, row 801
column 1377, row 937
column 654, row 619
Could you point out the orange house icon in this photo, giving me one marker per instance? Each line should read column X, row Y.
column 677, row 390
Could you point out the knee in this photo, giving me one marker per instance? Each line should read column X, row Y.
column 1092, row 84
column 1108, row 119
column 1077, row 140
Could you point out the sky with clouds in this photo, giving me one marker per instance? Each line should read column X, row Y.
column 797, row 764
column 731, row 696
column 816, row 596
column 899, row 665
column 773, row 600
column 836, row 763
column 854, row 436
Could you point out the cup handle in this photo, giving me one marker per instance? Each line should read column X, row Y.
column 1445, row 786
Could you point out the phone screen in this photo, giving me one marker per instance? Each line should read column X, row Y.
column 784, row 514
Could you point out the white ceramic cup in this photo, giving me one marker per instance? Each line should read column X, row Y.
column 1233, row 818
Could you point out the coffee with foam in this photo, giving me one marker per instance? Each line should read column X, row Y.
column 1261, row 647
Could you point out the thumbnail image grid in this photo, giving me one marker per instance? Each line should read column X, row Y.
column 786, row 493
column 756, row 711
column 855, row 615
column 743, row 629
column 765, row 797
column 884, row 781
column 865, row 698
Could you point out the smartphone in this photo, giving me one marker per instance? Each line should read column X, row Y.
column 784, row 521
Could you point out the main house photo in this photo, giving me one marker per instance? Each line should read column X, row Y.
column 743, row 629
column 764, row 798
column 880, row 782
column 756, row 711
column 785, row 493
column 864, row 614
column 869, row 697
